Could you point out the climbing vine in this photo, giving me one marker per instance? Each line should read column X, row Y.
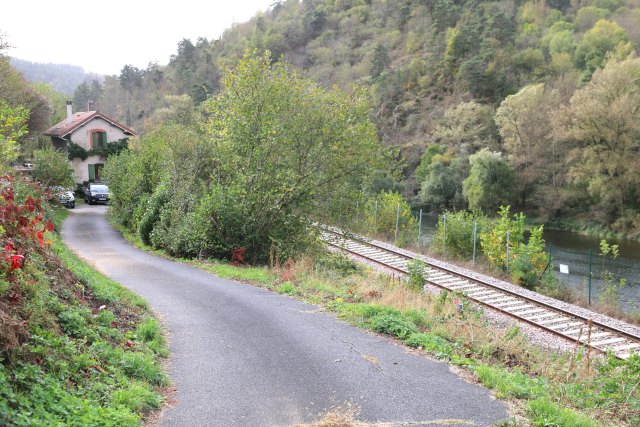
column 76, row 151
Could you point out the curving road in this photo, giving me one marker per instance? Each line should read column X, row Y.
column 243, row 356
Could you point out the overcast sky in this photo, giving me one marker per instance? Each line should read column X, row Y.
column 101, row 37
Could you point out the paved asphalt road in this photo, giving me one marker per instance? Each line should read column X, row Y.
column 243, row 356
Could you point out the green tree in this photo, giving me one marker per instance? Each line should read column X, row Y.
column 380, row 60
column 17, row 92
column 432, row 154
column 57, row 101
column 602, row 121
column 586, row 17
column 490, row 183
column 604, row 37
column 87, row 95
column 13, row 125
column 130, row 77
column 52, row 168
column 287, row 146
column 523, row 122
column 441, row 187
column 466, row 128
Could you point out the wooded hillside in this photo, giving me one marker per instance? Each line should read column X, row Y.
column 61, row 77
column 459, row 86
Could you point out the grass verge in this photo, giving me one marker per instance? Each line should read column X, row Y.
column 91, row 349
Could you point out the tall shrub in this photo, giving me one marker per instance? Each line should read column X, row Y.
column 457, row 237
column 504, row 246
column 291, row 146
column 381, row 214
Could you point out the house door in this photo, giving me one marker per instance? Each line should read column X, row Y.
column 98, row 171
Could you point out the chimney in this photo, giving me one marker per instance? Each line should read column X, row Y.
column 69, row 112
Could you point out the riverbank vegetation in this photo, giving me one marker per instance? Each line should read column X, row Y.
column 75, row 347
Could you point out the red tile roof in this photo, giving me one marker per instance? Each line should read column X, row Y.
column 63, row 129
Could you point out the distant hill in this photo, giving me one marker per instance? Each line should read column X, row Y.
column 62, row 77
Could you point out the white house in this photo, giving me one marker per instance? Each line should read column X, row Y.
column 92, row 131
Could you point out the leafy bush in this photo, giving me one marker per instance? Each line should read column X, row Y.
column 177, row 230
column 51, row 168
column 393, row 324
column 74, row 321
column 457, row 235
column 124, row 174
column 381, row 215
column 151, row 214
column 417, row 273
column 337, row 263
column 526, row 261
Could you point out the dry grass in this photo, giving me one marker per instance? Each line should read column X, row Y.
column 504, row 344
column 347, row 417
column 338, row 417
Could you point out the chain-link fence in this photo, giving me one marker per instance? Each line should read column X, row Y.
column 587, row 273
column 598, row 278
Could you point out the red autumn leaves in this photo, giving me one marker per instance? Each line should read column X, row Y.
column 21, row 226
column 16, row 260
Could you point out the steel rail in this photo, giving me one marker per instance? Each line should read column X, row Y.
column 572, row 317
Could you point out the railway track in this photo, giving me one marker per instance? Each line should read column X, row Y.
column 575, row 328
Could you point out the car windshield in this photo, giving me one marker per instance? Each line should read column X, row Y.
column 99, row 188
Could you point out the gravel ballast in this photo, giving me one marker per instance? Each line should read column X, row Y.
column 537, row 336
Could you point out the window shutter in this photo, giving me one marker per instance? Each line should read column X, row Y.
column 92, row 172
column 103, row 136
column 94, row 140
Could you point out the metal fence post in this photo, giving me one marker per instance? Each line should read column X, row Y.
column 444, row 240
column 357, row 209
column 395, row 240
column 508, row 233
column 475, row 230
column 375, row 216
column 420, row 226
column 589, row 276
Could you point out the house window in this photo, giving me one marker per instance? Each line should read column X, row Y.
column 98, row 139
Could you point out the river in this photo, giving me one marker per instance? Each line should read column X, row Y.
column 572, row 250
